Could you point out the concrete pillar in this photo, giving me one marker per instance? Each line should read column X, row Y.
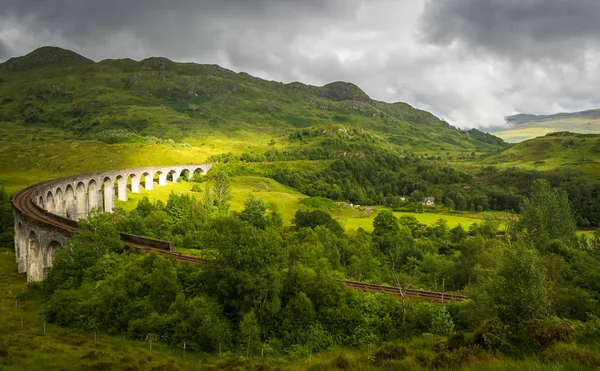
column 81, row 202
column 34, row 258
column 109, row 195
column 122, row 188
column 175, row 176
column 135, row 184
column 59, row 203
column 20, row 247
column 149, row 182
column 94, row 196
column 162, row 179
column 70, row 206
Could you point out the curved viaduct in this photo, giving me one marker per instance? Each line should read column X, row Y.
column 46, row 213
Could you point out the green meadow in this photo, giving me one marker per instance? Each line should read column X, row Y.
column 266, row 189
column 427, row 218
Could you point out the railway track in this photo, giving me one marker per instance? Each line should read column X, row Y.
column 441, row 297
column 23, row 201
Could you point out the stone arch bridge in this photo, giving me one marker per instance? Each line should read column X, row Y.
column 46, row 214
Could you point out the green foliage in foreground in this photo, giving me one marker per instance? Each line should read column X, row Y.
column 273, row 289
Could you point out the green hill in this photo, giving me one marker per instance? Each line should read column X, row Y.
column 525, row 126
column 59, row 89
column 555, row 150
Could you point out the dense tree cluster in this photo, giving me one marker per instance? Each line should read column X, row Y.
column 265, row 287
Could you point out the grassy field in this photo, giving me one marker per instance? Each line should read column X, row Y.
column 573, row 151
column 428, row 218
column 530, row 126
column 266, row 189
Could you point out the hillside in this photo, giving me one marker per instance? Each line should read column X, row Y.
column 555, row 150
column 58, row 89
column 525, row 126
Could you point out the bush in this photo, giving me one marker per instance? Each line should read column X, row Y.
column 441, row 322
column 389, row 352
column 549, row 333
column 562, row 353
column 493, row 335
column 457, row 340
column 342, row 362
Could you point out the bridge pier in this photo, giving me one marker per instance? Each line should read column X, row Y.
column 162, row 179
column 149, row 184
column 109, row 195
column 135, row 184
column 122, row 188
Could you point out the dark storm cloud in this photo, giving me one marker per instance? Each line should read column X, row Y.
column 515, row 28
column 173, row 25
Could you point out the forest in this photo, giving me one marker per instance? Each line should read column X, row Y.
column 265, row 290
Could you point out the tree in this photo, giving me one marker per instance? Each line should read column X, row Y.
column 249, row 330
column 441, row 323
column 546, row 214
column 222, row 192
column 520, row 291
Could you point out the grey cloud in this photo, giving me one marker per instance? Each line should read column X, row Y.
column 518, row 29
column 5, row 52
column 447, row 56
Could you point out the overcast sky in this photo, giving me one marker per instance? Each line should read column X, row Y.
column 471, row 62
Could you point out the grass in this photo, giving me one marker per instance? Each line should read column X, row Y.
column 428, row 218
column 266, row 189
column 573, row 151
column 544, row 125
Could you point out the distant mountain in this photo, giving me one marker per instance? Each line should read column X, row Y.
column 526, row 126
column 190, row 102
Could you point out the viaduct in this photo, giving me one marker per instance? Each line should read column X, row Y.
column 46, row 213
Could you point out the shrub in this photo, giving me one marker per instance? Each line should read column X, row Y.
column 493, row 335
column 389, row 351
column 563, row 352
column 441, row 322
column 457, row 340
column 342, row 362
column 549, row 333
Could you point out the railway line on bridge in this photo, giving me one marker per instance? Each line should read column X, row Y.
column 25, row 204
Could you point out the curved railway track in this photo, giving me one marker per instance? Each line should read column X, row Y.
column 23, row 201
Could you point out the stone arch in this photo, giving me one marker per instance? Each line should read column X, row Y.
column 162, row 178
column 148, row 180
column 185, row 174
column 196, row 172
column 40, row 201
column 93, row 196
column 81, row 203
column 51, row 253
column 135, row 183
column 35, row 263
column 108, row 194
column 70, row 207
column 59, row 203
column 49, row 202
column 172, row 175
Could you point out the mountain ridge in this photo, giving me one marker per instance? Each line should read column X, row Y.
column 156, row 96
